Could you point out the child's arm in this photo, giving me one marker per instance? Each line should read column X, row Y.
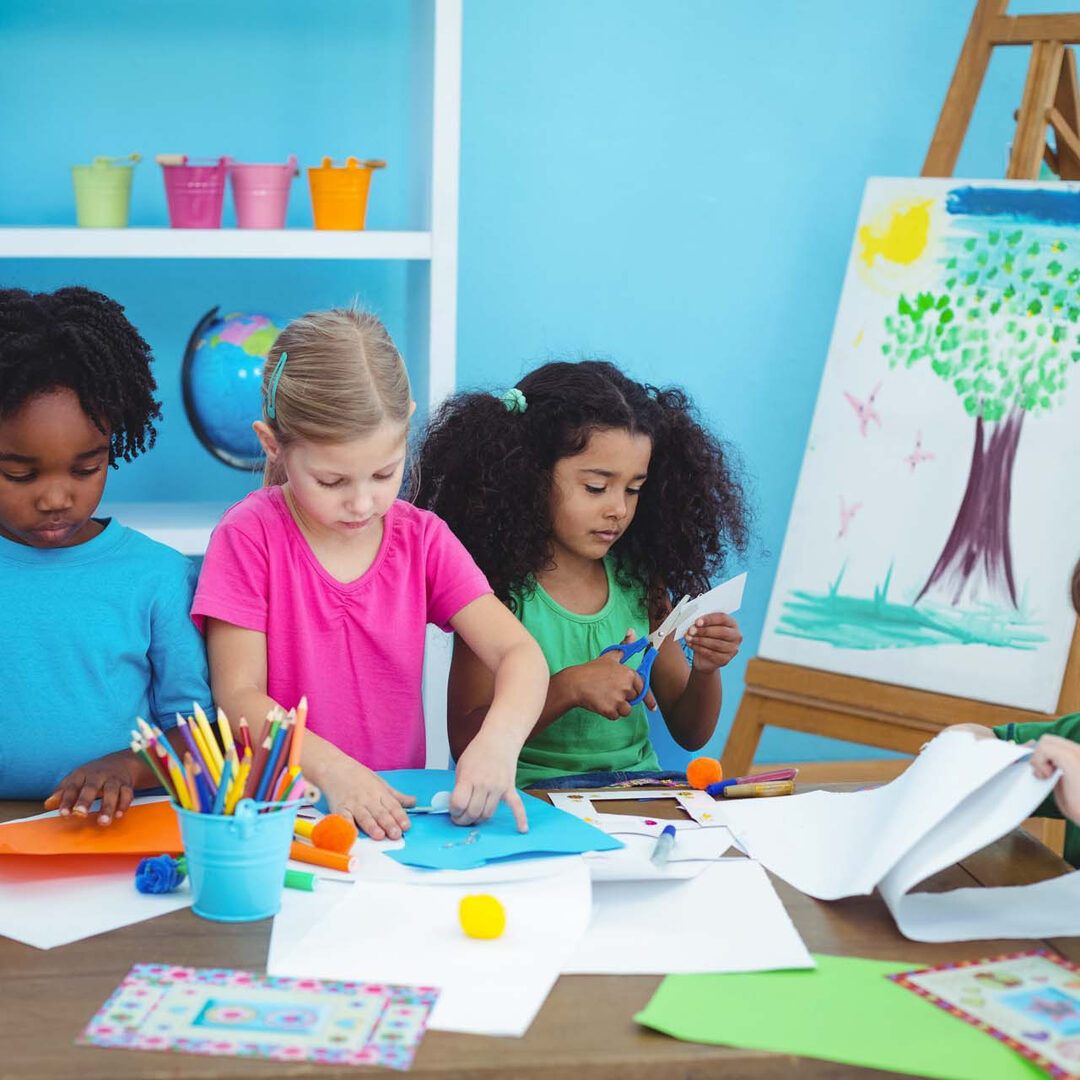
column 602, row 686
column 238, row 679
column 487, row 764
column 690, row 695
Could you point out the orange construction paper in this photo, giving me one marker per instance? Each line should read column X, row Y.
column 147, row 829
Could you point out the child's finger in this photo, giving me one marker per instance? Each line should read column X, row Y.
column 87, row 794
column 517, row 806
column 650, row 701
column 397, row 813
column 127, row 793
column 53, row 801
column 475, row 810
column 403, row 799
column 459, row 798
column 384, row 815
column 366, row 823
column 110, row 793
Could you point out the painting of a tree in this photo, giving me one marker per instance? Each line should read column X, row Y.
column 936, row 521
column 1002, row 334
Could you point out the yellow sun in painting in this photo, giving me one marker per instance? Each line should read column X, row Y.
column 899, row 235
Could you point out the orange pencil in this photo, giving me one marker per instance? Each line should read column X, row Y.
column 298, row 733
column 317, row 857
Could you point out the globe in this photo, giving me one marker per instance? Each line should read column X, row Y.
column 222, row 383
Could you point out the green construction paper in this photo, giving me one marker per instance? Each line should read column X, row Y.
column 845, row 1010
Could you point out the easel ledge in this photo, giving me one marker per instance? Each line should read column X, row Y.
column 883, row 714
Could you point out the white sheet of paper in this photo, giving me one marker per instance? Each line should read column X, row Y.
column 51, row 900
column 402, row 933
column 831, row 845
column 727, row 918
column 694, row 850
column 723, row 599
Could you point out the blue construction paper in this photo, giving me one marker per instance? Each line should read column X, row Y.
column 551, row 831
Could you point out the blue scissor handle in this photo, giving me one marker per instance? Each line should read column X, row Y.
column 644, row 669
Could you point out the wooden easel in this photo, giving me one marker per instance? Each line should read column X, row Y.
column 882, row 714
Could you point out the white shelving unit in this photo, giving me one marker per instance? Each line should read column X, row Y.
column 74, row 243
column 432, row 303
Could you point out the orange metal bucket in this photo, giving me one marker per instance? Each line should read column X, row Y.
column 339, row 194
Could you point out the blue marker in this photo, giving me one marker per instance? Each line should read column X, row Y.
column 664, row 843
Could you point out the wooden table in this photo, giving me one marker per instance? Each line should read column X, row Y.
column 583, row 1032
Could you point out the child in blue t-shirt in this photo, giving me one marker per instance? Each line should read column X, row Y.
column 95, row 615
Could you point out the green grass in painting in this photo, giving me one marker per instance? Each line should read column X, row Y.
column 851, row 622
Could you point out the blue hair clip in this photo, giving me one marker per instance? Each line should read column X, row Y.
column 271, row 397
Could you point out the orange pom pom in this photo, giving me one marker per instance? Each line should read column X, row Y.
column 703, row 771
column 334, row 833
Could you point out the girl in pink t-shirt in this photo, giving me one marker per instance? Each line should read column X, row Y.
column 322, row 583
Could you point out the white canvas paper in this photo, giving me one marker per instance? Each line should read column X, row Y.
column 693, row 851
column 959, row 795
column 727, row 918
column 929, row 544
column 404, row 933
column 722, row 599
column 51, row 900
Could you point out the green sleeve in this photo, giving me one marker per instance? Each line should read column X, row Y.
column 1067, row 727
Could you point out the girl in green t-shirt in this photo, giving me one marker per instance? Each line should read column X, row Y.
column 591, row 502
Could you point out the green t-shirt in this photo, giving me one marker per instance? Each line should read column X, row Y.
column 582, row 741
column 1068, row 727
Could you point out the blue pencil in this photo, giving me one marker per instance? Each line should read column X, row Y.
column 202, row 784
column 223, row 787
column 271, row 764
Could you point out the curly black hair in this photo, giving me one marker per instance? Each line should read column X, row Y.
column 487, row 471
column 81, row 340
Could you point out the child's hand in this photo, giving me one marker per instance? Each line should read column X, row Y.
column 485, row 775
column 607, row 686
column 1053, row 752
column 112, row 777
column 359, row 795
column 714, row 640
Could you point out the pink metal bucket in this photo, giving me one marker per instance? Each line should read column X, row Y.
column 261, row 193
column 195, row 193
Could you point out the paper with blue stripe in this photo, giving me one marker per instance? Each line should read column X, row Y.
column 551, row 831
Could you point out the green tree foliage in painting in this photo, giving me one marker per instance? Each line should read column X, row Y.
column 1002, row 333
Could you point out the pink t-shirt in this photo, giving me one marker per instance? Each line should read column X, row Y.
column 356, row 649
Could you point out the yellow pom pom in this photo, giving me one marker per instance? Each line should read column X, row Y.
column 703, row 771
column 482, row 916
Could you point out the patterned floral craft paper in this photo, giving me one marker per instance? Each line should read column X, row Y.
column 1030, row 1001
column 240, row 1014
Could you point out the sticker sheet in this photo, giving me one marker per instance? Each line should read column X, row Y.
column 241, row 1014
column 586, row 805
column 1030, row 1001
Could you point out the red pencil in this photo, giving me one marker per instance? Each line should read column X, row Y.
column 245, row 735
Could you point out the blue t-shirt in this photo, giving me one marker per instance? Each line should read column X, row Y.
column 92, row 636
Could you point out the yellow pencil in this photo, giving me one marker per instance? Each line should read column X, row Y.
column 236, row 791
column 204, row 751
column 180, row 784
column 226, row 731
column 210, row 738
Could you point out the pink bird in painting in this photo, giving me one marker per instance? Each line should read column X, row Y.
column 846, row 515
column 918, row 454
column 865, row 410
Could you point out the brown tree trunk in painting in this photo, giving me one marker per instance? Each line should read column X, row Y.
column 976, row 562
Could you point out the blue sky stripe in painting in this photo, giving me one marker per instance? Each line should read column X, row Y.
column 1028, row 205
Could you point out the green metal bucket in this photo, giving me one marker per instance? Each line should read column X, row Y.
column 103, row 192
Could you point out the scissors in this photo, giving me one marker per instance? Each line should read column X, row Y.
column 650, row 646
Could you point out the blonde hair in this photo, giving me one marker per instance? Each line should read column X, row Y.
column 342, row 378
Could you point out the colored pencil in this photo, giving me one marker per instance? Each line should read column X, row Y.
column 226, row 731
column 174, row 757
column 189, row 741
column 223, row 787
column 280, row 765
column 183, row 796
column 756, row 778
column 257, row 767
column 297, row 790
column 298, row 734
column 286, row 782
column 144, row 754
column 237, row 792
column 206, row 796
column 270, row 770
column 215, row 759
column 245, row 734
column 189, row 776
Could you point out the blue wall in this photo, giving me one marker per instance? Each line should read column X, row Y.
column 672, row 186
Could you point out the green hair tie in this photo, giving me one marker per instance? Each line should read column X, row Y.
column 514, row 400
column 271, row 396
